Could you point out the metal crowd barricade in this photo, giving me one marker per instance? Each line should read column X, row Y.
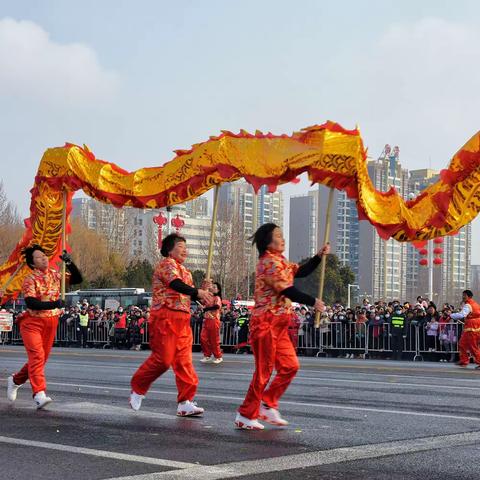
column 444, row 343
column 335, row 338
column 367, row 340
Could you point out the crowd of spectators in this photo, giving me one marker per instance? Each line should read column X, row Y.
column 342, row 331
column 345, row 331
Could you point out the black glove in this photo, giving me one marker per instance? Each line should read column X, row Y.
column 66, row 257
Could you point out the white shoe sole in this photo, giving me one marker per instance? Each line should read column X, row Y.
column 272, row 422
column 12, row 389
column 133, row 408
column 244, row 426
column 189, row 414
column 44, row 404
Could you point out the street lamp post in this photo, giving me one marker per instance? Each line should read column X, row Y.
column 348, row 295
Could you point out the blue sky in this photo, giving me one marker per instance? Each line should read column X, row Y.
column 137, row 79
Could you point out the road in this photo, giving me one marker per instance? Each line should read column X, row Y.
column 349, row 419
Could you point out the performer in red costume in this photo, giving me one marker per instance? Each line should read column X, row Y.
column 171, row 336
column 210, row 336
column 269, row 339
column 470, row 338
column 41, row 290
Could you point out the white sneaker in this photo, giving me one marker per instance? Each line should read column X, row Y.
column 206, row 360
column 272, row 416
column 216, row 361
column 188, row 409
column 246, row 424
column 135, row 401
column 12, row 389
column 41, row 400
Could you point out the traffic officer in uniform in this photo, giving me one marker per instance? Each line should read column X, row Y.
column 398, row 331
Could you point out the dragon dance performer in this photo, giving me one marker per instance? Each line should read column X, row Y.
column 171, row 336
column 210, row 336
column 469, row 341
column 269, row 339
column 38, row 326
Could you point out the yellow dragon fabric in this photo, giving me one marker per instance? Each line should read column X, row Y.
column 330, row 154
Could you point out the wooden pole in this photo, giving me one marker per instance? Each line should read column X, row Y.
column 212, row 232
column 64, row 241
column 326, row 237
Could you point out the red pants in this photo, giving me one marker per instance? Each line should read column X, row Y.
column 38, row 335
column 210, row 338
column 293, row 335
column 469, row 343
column 272, row 348
column 171, row 343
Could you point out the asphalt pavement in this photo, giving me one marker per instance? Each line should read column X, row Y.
column 349, row 419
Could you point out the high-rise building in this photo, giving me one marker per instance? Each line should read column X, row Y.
column 238, row 202
column 475, row 283
column 345, row 227
column 455, row 270
column 303, row 223
column 382, row 270
column 452, row 276
column 196, row 208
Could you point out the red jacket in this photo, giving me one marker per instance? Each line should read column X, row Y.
column 122, row 320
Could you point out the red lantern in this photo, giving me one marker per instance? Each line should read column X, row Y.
column 437, row 261
column 419, row 243
column 438, row 250
column 423, row 262
column 178, row 223
column 423, row 251
column 438, row 240
column 160, row 220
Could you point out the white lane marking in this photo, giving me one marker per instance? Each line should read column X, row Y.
column 95, row 408
column 321, row 366
column 96, row 453
column 300, row 376
column 431, row 377
column 313, row 459
column 376, row 382
column 286, row 402
column 303, row 377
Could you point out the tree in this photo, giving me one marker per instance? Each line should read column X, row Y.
column 11, row 228
column 152, row 252
column 230, row 260
column 100, row 268
column 139, row 274
column 198, row 277
column 112, row 274
column 337, row 278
